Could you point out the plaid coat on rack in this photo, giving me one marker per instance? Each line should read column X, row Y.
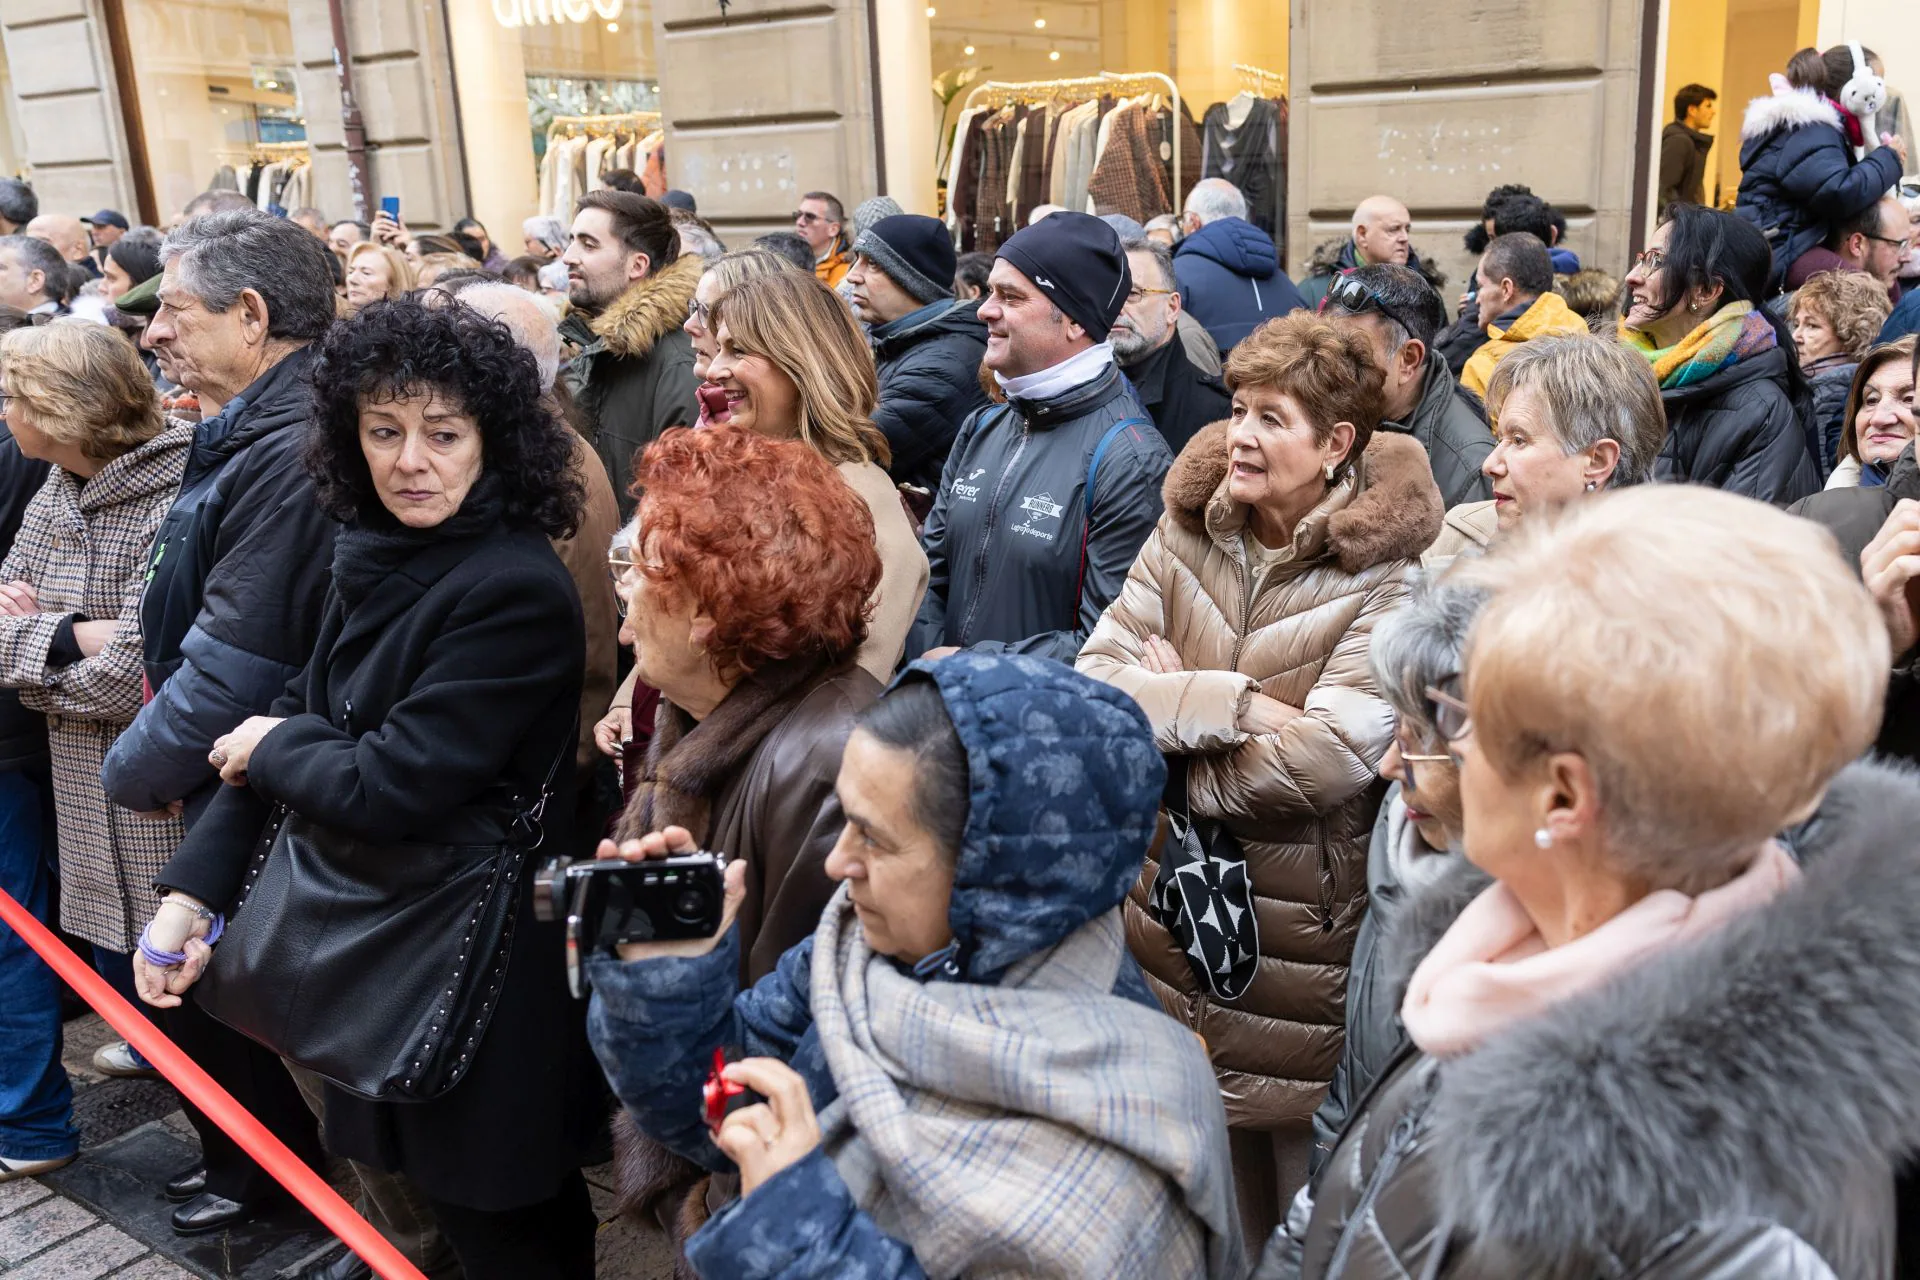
column 83, row 545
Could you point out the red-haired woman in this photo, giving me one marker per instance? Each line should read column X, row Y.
column 747, row 615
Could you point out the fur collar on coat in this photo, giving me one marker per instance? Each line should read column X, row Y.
column 1786, row 111
column 1394, row 514
column 1723, row 1079
column 652, row 309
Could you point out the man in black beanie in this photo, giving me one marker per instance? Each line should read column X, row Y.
column 926, row 345
column 1047, row 498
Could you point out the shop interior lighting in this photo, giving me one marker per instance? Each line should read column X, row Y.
column 968, row 51
column 930, row 11
column 613, row 26
column 1039, row 24
column 1053, row 55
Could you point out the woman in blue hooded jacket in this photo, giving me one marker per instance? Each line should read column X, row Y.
column 964, row 1072
column 1798, row 173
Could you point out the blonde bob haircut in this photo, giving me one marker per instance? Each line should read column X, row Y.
column 400, row 275
column 802, row 328
column 84, row 385
column 1591, row 389
column 1713, row 659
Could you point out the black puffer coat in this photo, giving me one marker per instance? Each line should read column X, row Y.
column 1798, row 177
column 929, row 383
column 1731, row 1109
column 1743, row 430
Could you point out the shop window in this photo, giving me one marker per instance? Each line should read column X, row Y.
column 219, row 104
column 1132, row 81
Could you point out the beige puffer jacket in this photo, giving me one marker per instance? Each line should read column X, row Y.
column 1301, row 802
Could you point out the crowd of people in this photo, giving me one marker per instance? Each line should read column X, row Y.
column 1217, row 775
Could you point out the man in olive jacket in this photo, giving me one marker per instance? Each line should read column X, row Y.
column 1400, row 315
column 630, row 365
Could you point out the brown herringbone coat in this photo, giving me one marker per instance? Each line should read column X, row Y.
column 83, row 545
column 1301, row 802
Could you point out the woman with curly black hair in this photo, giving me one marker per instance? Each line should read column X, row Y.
column 398, row 790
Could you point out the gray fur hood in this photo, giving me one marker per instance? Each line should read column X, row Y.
column 1770, row 1072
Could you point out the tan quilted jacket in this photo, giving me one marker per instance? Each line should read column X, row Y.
column 1301, row 801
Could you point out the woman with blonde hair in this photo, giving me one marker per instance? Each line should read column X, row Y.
column 793, row 365
column 1834, row 318
column 724, row 275
column 77, row 396
column 1571, row 416
column 376, row 272
column 1650, row 1046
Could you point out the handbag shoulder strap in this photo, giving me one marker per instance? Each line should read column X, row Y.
column 1086, row 526
column 529, row 817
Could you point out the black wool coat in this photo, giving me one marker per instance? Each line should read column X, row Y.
column 1743, row 430
column 449, row 686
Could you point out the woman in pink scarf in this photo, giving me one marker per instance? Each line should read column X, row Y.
column 1650, row 1047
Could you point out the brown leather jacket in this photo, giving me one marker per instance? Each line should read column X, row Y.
column 1301, row 802
column 779, row 811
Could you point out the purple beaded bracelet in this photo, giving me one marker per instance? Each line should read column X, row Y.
column 168, row 959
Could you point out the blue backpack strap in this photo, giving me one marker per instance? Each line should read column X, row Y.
column 1086, row 530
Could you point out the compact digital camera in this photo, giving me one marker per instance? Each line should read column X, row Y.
column 607, row 902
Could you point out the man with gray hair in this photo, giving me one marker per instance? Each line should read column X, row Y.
column 232, row 607
column 1180, row 396
column 1229, row 270
column 33, row 275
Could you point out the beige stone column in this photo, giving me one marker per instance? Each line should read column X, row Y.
column 66, row 104
column 497, row 141
column 772, row 100
column 404, row 74
column 906, row 102
column 1439, row 101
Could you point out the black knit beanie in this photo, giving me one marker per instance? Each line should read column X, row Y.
column 1076, row 260
column 915, row 251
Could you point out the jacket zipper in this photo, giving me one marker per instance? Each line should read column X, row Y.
column 986, row 537
column 1246, row 607
column 1327, row 895
column 1400, row 1143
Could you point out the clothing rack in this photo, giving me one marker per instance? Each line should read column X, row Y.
column 264, row 150
column 638, row 121
column 1259, row 80
column 1002, row 92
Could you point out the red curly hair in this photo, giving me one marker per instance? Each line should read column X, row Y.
column 765, row 537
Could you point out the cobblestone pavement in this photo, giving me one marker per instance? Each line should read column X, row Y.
column 103, row 1218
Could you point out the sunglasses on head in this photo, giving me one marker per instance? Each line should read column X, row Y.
column 1354, row 298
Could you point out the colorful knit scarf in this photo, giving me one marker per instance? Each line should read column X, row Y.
column 1731, row 334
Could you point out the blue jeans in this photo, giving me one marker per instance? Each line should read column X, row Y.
column 36, row 1099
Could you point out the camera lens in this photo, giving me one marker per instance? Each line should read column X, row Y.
column 692, row 905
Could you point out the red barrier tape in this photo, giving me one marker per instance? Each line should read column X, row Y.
column 204, row 1092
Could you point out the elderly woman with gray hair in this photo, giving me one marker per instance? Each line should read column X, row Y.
column 1416, row 835
column 1650, row 1047
column 544, row 237
column 1571, row 416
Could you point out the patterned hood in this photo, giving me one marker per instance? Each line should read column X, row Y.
column 1065, row 784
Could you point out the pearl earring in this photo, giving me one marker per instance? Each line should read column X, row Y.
column 1543, row 839
column 1330, row 470
column 1592, row 485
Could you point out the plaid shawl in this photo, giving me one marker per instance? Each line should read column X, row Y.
column 1037, row 1127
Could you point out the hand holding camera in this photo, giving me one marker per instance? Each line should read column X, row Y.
column 675, row 842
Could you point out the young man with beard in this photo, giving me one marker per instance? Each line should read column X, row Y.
column 1180, row 396
column 630, row 366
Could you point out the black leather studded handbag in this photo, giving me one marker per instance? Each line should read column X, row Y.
column 376, row 966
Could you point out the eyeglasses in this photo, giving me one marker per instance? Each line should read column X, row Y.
column 1451, row 715
column 698, row 310
column 1137, row 293
column 620, row 563
column 1411, row 758
column 5, row 401
column 806, row 218
column 1650, row 261
column 1354, row 298
column 1894, row 241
